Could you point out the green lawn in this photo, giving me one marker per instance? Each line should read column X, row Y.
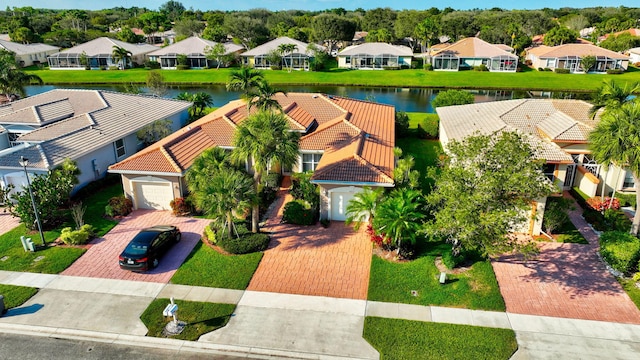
column 527, row 80
column 569, row 234
column 476, row 288
column 55, row 259
column 425, row 153
column 416, row 118
column 630, row 287
column 15, row 296
column 207, row 267
column 200, row 317
column 412, row 340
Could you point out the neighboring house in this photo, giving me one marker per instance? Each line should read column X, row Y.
column 194, row 48
column 634, row 55
column 558, row 128
column 93, row 127
column 472, row 51
column 632, row 32
column 98, row 52
column 29, row 54
column 375, row 56
column 301, row 57
column 569, row 56
column 347, row 143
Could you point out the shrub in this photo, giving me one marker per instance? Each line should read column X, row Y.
column 303, row 189
column 77, row 237
column 541, row 69
column 430, row 125
column 528, row 62
column 180, row 207
column 149, row 64
column 621, row 250
column 452, row 261
column 246, row 244
column 481, row 67
column 114, row 68
column 555, row 214
column 547, row 69
column 627, row 199
column 210, row 234
column 272, row 181
column 428, row 67
column 616, row 220
column 402, row 124
column 118, row 206
column 269, row 191
column 298, row 212
column 183, row 67
column 103, row 67
column 595, row 218
column 596, row 203
column 580, row 197
column 561, row 71
column 378, row 240
column 390, row 68
column 615, row 71
column 276, row 67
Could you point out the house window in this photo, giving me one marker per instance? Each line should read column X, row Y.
column 628, row 182
column 310, row 161
column 120, row 150
column 549, row 171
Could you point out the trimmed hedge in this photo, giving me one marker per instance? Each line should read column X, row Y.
column 77, row 237
column 561, row 71
column 118, row 206
column 580, row 197
column 297, row 212
column 248, row 243
column 621, row 250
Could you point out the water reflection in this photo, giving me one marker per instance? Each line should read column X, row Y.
column 404, row 99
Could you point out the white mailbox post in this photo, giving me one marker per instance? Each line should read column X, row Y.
column 171, row 310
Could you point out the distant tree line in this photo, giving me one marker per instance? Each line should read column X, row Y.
column 416, row 28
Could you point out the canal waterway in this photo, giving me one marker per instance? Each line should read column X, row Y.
column 404, row 99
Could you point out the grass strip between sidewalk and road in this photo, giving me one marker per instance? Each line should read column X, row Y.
column 405, row 339
column 200, row 317
column 207, row 267
column 15, row 296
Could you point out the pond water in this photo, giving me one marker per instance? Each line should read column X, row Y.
column 404, row 99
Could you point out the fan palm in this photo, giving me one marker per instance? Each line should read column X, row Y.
column 265, row 138
column 262, row 96
column 209, row 162
column 120, row 55
column 399, row 216
column 244, row 80
column 285, row 49
column 611, row 95
column 362, row 206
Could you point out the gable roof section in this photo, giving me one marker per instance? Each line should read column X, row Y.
column 41, row 109
column 26, row 49
column 303, row 48
column 376, row 48
column 193, row 46
column 104, row 46
column 473, row 47
column 578, row 50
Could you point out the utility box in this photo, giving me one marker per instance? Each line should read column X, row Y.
column 27, row 244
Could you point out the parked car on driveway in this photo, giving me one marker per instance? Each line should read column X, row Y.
column 145, row 250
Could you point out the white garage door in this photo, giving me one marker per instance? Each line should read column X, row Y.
column 339, row 201
column 153, row 195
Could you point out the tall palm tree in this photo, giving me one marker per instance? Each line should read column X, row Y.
column 209, row 162
column 616, row 140
column 120, row 55
column 201, row 100
column 399, row 216
column 285, row 49
column 262, row 96
column 244, row 80
column 611, row 95
column 362, row 206
column 264, row 138
column 12, row 78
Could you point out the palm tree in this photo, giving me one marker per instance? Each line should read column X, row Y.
column 399, row 216
column 264, row 138
column 120, row 55
column 262, row 96
column 244, row 80
column 201, row 100
column 616, row 140
column 362, row 206
column 12, row 78
column 611, row 95
column 204, row 166
column 285, row 49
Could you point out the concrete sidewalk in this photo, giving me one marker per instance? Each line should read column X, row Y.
column 281, row 325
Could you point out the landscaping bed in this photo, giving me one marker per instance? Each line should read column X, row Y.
column 405, row 339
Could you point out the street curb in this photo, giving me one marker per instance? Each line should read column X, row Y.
column 166, row 344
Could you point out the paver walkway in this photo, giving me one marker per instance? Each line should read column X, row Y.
column 312, row 260
column 8, row 222
column 101, row 260
column 566, row 280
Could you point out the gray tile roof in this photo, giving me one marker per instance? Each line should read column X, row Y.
column 104, row 46
column 545, row 122
column 273, row 45
column 105, row 118
column 193, row 45
column 26, row 49
column 376, row 48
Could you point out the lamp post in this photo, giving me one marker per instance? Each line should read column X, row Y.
column 24, row 162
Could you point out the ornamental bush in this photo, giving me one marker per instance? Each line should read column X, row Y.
column 596, row 203
column 431, row 128
column 246, row 244
column 180, row 206
column 561, row 71
column 77, row 237
column 621, row 250
column 617, row 220
column 298, row 212
column 118, row 206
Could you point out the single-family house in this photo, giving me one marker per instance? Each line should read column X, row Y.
column 632, row 32
column 375, row 55
column 195, row 48
column 29, row 54
column 473, row 51
column 98, row 54
column 95, row 128
column 347, row 143
column 298, row 60
column 558, row 129
column 569, row 56
column 634, row 56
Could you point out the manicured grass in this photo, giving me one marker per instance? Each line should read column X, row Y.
column 416, row 118
column 425, row 153
column 95, row 204
column 412, row 340
column 15, row 296
column 207, row 267
column 200, row 317
column 630, row 287
column 527, row 80
column 477, row 288
column 569, row 234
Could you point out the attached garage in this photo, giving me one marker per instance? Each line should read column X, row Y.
column 152, row 194
column 340, row 199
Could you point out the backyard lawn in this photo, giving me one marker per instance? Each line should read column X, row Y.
column 425, row 153
column 526, row 80
column 404, row 339
column 207, row 267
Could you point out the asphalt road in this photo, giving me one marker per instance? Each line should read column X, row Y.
column 22, row 347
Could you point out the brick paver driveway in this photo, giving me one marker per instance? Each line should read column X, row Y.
column 312, row 260
column 566, row 280
column 101, row 260
column 8, row 222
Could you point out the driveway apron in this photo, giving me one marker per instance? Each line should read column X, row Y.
column 101, row 260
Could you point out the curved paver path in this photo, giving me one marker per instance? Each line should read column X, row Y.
column 312, row 260
column 566, row 280
column 101, row 260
